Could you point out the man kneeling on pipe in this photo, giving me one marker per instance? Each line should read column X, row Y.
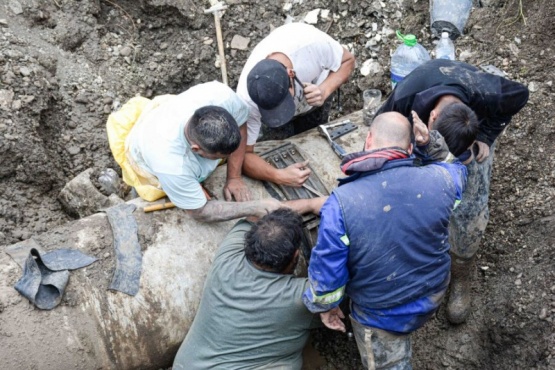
column 251, row 313
column 169, row 145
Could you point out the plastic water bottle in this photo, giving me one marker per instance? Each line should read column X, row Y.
column 445, row 49
column 450, row 16
column 409, row 55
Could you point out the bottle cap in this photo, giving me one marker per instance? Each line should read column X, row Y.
column 409, row 39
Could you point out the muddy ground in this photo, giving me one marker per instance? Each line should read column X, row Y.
column 65, row 65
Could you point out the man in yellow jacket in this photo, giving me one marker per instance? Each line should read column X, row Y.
column 169, row 145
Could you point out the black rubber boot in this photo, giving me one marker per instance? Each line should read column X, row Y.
column 458, row 306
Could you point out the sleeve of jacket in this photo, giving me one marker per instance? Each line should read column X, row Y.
column 328, row 273
column 512, row 97
column 394, row 103
column 435, row 151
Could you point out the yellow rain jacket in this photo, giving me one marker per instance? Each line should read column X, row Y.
column 118, row 126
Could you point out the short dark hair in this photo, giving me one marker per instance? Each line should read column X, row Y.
column 458, row 124
column 214, row 130
column 271, row 243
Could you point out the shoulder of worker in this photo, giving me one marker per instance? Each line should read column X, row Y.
column 253, row 119
column 509, row 95
column 207, row 90
column 296, row 29
column 293, row 36
column 218, row 94
column 234, row 241
column 496, row 98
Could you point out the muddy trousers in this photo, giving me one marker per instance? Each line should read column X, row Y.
column 469, row 220
column 382, row 350
column 467, row 227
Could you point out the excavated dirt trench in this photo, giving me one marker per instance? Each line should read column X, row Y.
column 65, row 65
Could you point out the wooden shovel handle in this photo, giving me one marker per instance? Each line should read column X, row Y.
column 168, row 205
column 158, row 207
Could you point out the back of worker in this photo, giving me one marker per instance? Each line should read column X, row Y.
column 383, row 239
column 494, row 99
column 397, row 226
column 247, row 318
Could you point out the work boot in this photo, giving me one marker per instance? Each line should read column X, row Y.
column 458, row 306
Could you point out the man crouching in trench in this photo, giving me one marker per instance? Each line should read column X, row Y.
column 251, row 313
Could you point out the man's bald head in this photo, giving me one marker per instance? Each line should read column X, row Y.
column 389, row 129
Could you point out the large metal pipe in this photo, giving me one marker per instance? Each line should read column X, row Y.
column 94, row 328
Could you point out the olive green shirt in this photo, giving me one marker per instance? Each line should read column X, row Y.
column 247, row 318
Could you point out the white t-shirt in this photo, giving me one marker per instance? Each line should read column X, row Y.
column 157, row 142
column 313, row 54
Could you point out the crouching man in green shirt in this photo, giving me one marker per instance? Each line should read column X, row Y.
column 251, row 315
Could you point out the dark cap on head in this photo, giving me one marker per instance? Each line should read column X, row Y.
column 268, row 87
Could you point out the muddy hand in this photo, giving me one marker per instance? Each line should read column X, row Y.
column 313, row 94
column 236, row 188
column 295, row 175
column 421, row 132
column 483, row 151
column 267, row 205
column 303, row 206
column 332, row 319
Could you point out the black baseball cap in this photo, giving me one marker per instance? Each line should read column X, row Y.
column 268, row 86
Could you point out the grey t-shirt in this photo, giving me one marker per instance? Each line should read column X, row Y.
column 247, row 318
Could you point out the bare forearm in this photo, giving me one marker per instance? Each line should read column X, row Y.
column 257, row 168
column 293, row 175
column 304, row 206
column 214, row 211
column 235, row 160
column 336, row 79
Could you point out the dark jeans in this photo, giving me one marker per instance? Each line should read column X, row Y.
column 314, row 118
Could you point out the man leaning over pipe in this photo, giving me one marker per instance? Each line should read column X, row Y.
column 171, row 144
column 287, row 83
